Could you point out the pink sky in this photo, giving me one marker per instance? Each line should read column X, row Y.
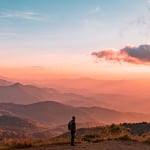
column 45, row 40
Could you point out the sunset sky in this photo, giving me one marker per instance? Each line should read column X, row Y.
column 65, row 38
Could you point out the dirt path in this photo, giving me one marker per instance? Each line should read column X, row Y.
column 106, row 145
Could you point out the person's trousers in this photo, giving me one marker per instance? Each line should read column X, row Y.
column 72, row 137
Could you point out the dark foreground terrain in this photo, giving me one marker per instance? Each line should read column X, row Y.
column 105, row 145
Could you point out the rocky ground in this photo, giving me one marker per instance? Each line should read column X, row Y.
column 106, row 145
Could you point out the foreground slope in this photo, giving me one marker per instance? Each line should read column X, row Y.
column 17, row 127
column 106, row 145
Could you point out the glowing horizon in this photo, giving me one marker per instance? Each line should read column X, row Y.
column 54, row 39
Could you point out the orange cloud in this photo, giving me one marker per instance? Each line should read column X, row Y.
column 135, row 55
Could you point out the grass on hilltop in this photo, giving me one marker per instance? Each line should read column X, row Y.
column 111, row 132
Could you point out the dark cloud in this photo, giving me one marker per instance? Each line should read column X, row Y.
column 130, row 54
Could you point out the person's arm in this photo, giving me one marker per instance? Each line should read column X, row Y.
column 74, row 126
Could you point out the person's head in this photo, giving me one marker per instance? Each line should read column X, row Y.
column 73, row 117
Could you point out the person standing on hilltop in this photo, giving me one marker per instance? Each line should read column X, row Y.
column 72, row 128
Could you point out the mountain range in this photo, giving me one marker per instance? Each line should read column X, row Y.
column 44, row 111
column 121, row 95
column 26, row 94
column 56, row 114
column 5, row 82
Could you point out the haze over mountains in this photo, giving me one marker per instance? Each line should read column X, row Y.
column 5, row 82
column 123, row 95
column 120, row 95
column 48, row 109
column 55, row 114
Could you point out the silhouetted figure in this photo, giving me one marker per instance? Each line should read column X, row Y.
column 72, row 128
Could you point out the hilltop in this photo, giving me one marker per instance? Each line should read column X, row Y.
column 107, row 138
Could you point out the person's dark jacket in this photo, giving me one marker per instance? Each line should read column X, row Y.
column 73, row 126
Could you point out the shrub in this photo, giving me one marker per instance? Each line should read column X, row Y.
column 125, row 137
column 19, row 144
column 147, row 140
column 90, row 137
column 108, row 133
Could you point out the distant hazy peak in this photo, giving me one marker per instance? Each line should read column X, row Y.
column 4, row 82
column 17, row 84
